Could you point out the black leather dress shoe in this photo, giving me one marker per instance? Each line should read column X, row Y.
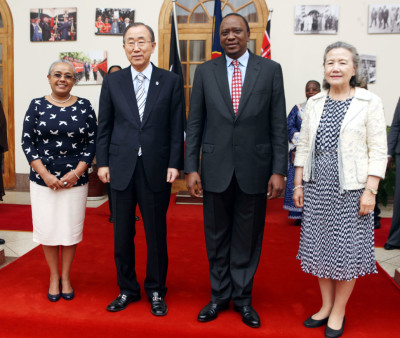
column 158, row 306
column 311, row 323
column 122, row 301
column 249, row 315
column 211, row 310
column 2, row 241
column 331, row 333
column 388, row 246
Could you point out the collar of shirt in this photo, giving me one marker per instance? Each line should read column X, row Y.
column 147, row 73
column 243, row 61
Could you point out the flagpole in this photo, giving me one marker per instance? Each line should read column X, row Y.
column 176, row 27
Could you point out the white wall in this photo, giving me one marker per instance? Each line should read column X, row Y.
column 299, row 55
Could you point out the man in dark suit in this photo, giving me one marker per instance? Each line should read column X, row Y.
column 393, row 241
column 237, row 117
column 46, row 29
column 139, row 152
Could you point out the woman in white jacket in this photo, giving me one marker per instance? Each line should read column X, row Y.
column 341, row 156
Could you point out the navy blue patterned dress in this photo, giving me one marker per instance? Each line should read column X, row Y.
column 335, row 242
column 60, row 136
column 294, row 120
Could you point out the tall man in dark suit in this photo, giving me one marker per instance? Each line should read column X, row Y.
column 241, row 105
column 393, row 241
column 139, row 152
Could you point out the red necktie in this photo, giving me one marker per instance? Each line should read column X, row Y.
column 236, row 85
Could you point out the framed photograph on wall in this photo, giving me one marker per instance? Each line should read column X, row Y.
column 53, row 24
column 113, row 21
column 316, row 19
column 90, row 67
column 368, row 64
column 384, row 19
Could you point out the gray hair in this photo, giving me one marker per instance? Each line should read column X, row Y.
column 357, row 80
column 137, row 24
column 61, row 61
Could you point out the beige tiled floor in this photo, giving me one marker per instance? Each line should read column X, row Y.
column 20, row 242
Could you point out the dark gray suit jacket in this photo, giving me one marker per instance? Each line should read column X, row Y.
column 394, row 135
column 253, row 144
column 160, row 134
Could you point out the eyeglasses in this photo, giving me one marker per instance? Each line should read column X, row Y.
column 67, row 77
column 140, row 43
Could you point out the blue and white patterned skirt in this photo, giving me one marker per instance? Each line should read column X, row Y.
column 335, row 242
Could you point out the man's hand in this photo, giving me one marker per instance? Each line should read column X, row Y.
column 193, row 179
column 172, row 174
column 104, row 174
column 276, row 185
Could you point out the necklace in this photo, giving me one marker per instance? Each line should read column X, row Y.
column 51, row 95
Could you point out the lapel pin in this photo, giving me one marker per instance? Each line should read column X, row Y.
column 157, row 83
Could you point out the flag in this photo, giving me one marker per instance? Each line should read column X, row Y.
column 174, row 59
column 175, row 65
column 266, row 44
column 216, row 50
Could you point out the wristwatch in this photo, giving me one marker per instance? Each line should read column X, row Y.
column 373, row 191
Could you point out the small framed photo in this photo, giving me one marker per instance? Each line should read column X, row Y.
column 53, row 24
column 368, row 63
column 90, row 67
column 316, row 19
column 384, row 19
column 113, row 21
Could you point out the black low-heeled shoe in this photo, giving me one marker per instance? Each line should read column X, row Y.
column 312, row 323
column 67, row 296
column 54, row 298
column 331, row 333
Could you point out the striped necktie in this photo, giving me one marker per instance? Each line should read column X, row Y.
column 140, row 95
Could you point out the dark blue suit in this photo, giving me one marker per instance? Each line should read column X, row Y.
column 394, row 150
column 140, row 180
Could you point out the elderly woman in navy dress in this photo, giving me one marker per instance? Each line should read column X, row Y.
column 294, row 120
column 341, row 156
column 58, row 139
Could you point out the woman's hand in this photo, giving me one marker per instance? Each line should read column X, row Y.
column 69, row 180
column 298, row 193
column 52, row 181
column 298, row 197
column 367, row 203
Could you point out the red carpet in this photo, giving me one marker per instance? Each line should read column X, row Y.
column 283, row 295
column 381, row 235
column 15, row 217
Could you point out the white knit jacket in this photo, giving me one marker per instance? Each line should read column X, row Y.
column 362, row 145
